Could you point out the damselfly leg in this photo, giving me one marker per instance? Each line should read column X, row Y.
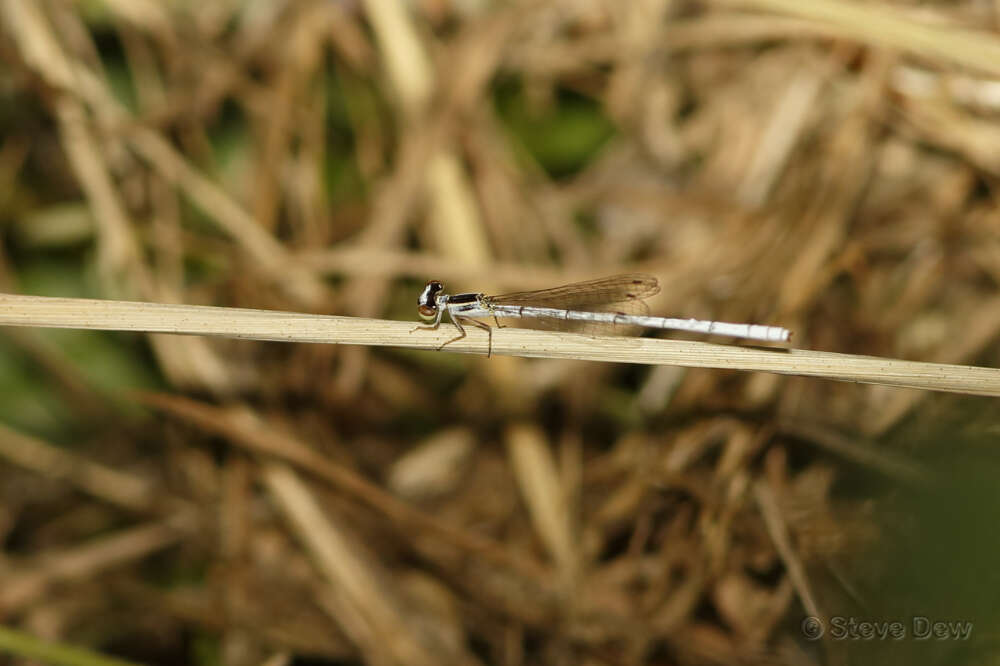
column 432, row 305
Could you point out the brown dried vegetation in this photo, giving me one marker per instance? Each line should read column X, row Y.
column 822, row 165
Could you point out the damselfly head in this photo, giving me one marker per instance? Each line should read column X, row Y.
column 427, row 305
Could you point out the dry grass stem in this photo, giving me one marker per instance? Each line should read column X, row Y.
column 890, row 27
column 535, row 471
column 368, row 599
column 243, row 428
column 16, row 310
column 111, row 485
column 82, row 562
column 780, row 535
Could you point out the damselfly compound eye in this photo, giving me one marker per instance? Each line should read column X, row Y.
column 427, row 306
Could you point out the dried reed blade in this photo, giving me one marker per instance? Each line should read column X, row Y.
column 17, row 310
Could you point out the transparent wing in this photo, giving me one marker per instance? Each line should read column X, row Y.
column 619, row 293
column 594, row 295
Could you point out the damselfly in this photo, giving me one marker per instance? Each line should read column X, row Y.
column 615, row 301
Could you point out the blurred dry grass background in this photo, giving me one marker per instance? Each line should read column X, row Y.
column 826, row 166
